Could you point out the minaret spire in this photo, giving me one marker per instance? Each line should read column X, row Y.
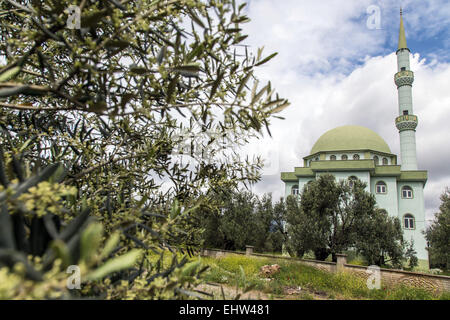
column 406, row 122
column 402, row 37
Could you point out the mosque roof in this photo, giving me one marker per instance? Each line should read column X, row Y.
column 350, row 138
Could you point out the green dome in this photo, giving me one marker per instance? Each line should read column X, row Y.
column 350, row 138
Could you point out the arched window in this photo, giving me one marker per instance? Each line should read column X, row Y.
column 385, row 161
column 408, row 221
column 376, row 160
column 294, row 190
column 351, row 181
column 333, row 157
column 381, row 187
column 407, row 192
column 344, row 157
column 356, row 157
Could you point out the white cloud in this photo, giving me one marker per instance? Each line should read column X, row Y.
column 335, row 71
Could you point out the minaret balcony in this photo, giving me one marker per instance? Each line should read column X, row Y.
column 406, row 122
column 404, row 78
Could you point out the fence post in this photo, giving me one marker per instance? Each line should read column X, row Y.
column 249, row 250
column 341, row 260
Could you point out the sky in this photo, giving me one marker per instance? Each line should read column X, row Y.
column 336, row 63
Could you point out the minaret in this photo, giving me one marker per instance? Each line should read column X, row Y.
column 406, row 122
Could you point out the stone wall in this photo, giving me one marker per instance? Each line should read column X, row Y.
column 390, row 277
column 430, row 282
column 215, row 253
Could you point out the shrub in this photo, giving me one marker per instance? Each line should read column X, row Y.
column 403, row 292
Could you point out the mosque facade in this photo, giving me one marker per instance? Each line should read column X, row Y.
column 355, row 152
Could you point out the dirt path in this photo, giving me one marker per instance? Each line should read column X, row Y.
column 230, row 293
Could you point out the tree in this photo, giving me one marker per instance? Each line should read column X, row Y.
column 298, row 240
column 208, row 219
column 411, row 255
column 242, row 219
column 277, row 233
column 378, row 237
column 328, row 213
column 332, row 217
column 438, row 234
column 238, row 221
column 97, row 116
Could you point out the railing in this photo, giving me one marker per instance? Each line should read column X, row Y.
column 406, row 122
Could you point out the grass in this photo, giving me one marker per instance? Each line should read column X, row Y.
column 243, row 271
column 227, row 270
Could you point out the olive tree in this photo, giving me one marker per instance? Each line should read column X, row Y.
column 438, row 234
column 124, row 109
column 331, row 217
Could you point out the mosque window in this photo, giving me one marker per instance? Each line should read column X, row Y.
column 408, row 221
column 407, row 192
column 381, row 187
column 356, row 157
column 403, row 68
column 294, row 190
column 344, row 157
column 376, row 160
column 385, row 161
column 351, row 181
column 317, row 159
column 405, row 112
column 333, row 157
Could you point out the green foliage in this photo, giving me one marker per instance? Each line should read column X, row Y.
column 90, row 123
column 332, row 217
column 410, row 255
column 378, row 236
column 242, row 218
column 237, row 220
column 403, row 292
column 438, row 234
column 445, row 296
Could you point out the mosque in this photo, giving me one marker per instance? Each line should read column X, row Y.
column 354, row 152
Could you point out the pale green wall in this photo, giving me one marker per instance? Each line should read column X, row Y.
column 403, row 60
column 416, row 207
column 388, row 201
column 408, row 150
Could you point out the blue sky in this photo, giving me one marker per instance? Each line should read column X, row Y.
column 427, row 24
column 428, row 34
column 336, row 70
